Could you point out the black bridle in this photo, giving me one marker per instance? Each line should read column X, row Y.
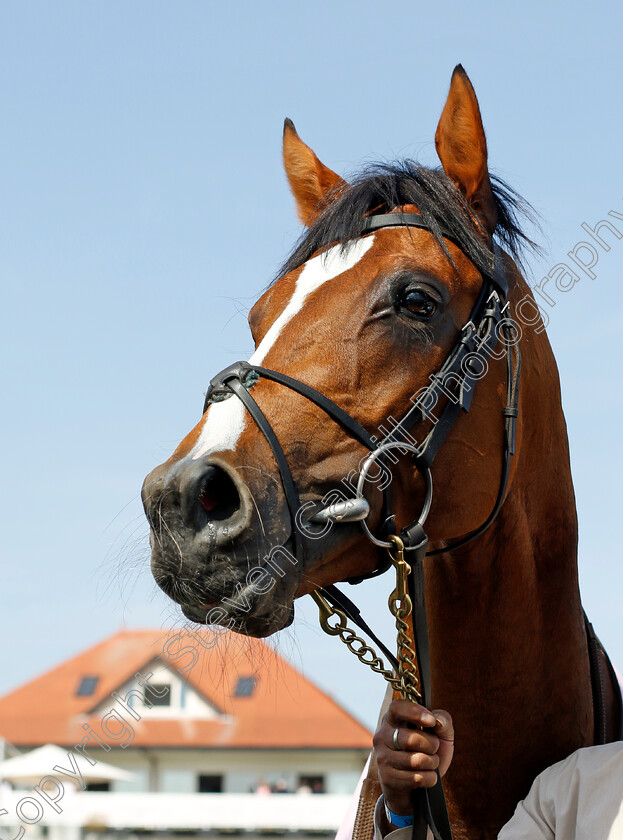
column 488, row 323
column 454, row 382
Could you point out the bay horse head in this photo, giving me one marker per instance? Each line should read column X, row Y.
column 363, row 316
column 309, row 455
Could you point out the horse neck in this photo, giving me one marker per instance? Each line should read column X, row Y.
column 508, row 649
column 514, row 592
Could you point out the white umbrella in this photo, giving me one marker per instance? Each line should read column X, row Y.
column 31, row 767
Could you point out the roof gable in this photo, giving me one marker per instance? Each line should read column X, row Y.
column 158, row 690
column 278, row 707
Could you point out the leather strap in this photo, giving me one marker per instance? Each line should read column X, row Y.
column 289, row 488
column 429, row 803
column 363, row 829
column 597, row 684
column 595, row 650
column 347, row 422
column 510, row 413
column 384, row 220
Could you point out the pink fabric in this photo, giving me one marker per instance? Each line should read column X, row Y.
column 345, row 831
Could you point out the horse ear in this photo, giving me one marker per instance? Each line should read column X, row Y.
column 310, row 180
column 462, row 148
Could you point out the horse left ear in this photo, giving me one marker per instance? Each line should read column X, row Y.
column 310, row 180
column 462, row 148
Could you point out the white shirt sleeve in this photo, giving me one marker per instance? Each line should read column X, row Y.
column 533, row 819
column 580, row 798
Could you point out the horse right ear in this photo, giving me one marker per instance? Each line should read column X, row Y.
column 310, row 180
column 462, row 148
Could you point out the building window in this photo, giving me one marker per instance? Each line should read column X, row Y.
column 244, row 687
column 311, row 784
column 87, row 686
column 157, row 695
column 210, row 784
column 100, row 787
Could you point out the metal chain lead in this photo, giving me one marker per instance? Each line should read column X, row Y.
column 401, row 608
column 353, row 642
column 406, row 682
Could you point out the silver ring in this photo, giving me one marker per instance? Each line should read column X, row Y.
column 428, row 479
column 396, row 744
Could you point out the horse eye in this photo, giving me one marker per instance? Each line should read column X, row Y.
column 419, row 304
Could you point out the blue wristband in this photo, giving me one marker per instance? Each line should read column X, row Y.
column 396, row 819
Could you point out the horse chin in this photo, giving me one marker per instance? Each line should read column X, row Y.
column 224, row 588
column 256, row 601
column 257, row 625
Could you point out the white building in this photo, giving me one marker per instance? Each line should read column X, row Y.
column 190, row 712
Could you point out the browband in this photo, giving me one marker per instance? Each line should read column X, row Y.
column 385, row 220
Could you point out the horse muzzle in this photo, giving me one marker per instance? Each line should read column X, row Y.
column 209, row 551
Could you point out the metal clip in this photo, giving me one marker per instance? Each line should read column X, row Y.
column 399, row 601
column 327, row 612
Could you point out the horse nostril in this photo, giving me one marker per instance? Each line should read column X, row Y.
column 218, row 495
column 210, row 499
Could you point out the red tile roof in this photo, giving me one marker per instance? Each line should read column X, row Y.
column 285, row 710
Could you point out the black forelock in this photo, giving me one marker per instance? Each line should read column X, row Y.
column 382, row 187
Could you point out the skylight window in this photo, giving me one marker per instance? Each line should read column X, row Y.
column 87, row 686
column 244, row 687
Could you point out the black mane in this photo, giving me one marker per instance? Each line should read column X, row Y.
column 380, row 188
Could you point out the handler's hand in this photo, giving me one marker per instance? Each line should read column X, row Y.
column 420, row 753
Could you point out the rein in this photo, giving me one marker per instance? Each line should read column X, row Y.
column 466, row 363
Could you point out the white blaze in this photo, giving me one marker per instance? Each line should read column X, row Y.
column 225, row 421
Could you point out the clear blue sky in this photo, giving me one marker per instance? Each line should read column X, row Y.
column 143, row 208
